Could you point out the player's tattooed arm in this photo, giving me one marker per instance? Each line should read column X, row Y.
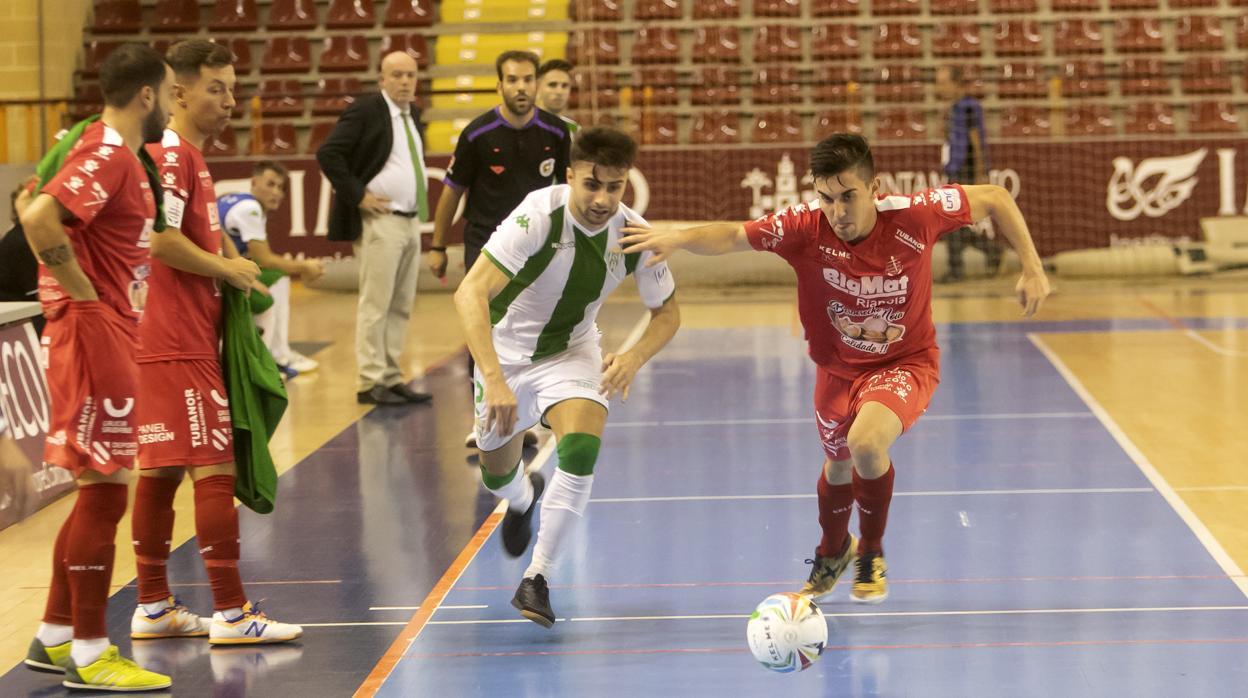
column 56, row 256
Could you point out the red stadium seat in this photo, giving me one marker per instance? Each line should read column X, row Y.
column 1138, row 35
column 901, row 124
column 657, row 10
column 832, row 83
column 835, row 42
column 161, row 46
column 1085, row 78
column 172, row 16
column 1025, row 122
column 1018, row 37
column 286, row 54
column 89, row 100
column 1148, row 118
column 1076, row 5
column 1021, row 81
column 836, row 121
column 715, row 85
column 234, row 16
column 1241, row 32
column 347, row 14
column 1073, row 36
column 777, row 126
column 716, row 45
column 715, row 128
column 1212, row 117
column 656, row 45
column 955, row 7
column 94, row 54
column 659, row 128
column 1177, row 4
column 117, row 17
column 281, row 98
column 222, row 145
column 777, row 43
column 409, row 13
column 777, row 85
column 1005, row 7
column 344, row 54
column 320, row 131
column 1090, row 120
column 1205, row 75
column 1134, row 4
column 240, row 52
column 596, row 10
column 835, row 8
column 716, row 9
column 1200, row 33
column 897, row 40
column 657, row 87
column 895, row 7
column 336, row 94
column 413, row 44
column 1143, row 76
column 601, row 46
column 777, row 8
column 956, row 39
column 898, row 83
column 595, row 90
column 292, row 14
column 276, row 139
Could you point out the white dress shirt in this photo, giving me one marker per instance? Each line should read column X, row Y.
column 396, row 180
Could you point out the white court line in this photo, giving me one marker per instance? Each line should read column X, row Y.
column 869, row 614
column 804, row 420
column 941, row 493
column 1141, row 461
column 443, row 607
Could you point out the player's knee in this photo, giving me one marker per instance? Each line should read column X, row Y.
column 868, row 450
column 838, row 472
column 578, row 453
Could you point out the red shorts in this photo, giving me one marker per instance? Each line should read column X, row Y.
column 906, row 390
column 92, row 378
column 184, row 414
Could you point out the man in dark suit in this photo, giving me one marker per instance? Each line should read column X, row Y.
column 375, row 159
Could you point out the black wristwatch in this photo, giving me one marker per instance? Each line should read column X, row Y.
column 434, row 248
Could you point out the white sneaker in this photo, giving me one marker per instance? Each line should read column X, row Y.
column 301, row 363
column 470, row 441
column 175, row 620
column 251, row 628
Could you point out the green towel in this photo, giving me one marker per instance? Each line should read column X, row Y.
column 259, row 301
column 55, row 157
column 257, row 401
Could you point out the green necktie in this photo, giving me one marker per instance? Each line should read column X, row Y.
column 422, row 194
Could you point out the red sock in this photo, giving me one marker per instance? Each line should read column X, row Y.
column 152, row 528
column 216, row 525
column 60, row 608
column 873, row 498
column 836, row 503
column 89, row 555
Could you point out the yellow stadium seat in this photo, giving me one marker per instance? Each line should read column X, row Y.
column 465, row 99
column 482, row 49
column 440, row 136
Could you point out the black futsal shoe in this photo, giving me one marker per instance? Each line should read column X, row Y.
column 533, row 599
column 518, row 527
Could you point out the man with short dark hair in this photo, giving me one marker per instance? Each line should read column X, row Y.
column 185, row 425
column 529, row 309
column 91, row 225
column 554, row 89
column 243, row 217
column 864, row 293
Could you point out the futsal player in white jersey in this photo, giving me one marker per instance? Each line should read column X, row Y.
column 528, row 307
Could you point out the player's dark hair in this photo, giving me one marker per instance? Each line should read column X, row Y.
column 517, row 56
column 270, row 165
column 554, row 64
column 604, row 147
column 188, row 57
column 842, row 152
column 128, row 69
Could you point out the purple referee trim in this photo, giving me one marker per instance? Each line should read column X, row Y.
column 488, row 127
column 448, row 182
column 555, row 130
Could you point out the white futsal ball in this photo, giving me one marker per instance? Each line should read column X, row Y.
column 787, row 632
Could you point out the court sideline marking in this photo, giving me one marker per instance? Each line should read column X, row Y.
column 1141, row 461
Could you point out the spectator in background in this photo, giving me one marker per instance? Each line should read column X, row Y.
column 19, row 272
column 554, row 89
column 374, row 157
column 243, row 217
column 964, row 159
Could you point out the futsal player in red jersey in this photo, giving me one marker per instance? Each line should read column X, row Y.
column 90, row 226
column 863, row 262
column 184, row 414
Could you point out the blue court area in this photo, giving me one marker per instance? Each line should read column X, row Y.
column 1028, row 555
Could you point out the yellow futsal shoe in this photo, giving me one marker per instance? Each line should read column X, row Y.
column 113, row 672
column 49, row 658
column 870, row 581
column 825, row 571
column 175, row 620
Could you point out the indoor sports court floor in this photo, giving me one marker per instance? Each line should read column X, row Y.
column 1069, row 519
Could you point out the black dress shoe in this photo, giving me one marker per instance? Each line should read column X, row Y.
column 408, row 395
column 378, row 395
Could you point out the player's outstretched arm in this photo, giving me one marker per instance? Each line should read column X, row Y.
column 618, row 370
column 472, row 300
column 177, row 250
column 47, row 238
column 990, row 200
column 663, row 241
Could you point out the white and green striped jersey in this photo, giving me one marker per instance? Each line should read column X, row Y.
column 573, row 127
column 559, row 275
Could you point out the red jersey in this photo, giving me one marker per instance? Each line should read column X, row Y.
column 868, row 304
column 104, row 186
column 183, row 318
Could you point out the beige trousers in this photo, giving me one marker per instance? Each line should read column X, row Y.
column 389, row 257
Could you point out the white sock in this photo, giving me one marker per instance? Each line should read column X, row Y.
column 85, row 652
column 231, row 614
column 563, row 505
column 155, row 606
column 51, row 634
column 518, row 492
